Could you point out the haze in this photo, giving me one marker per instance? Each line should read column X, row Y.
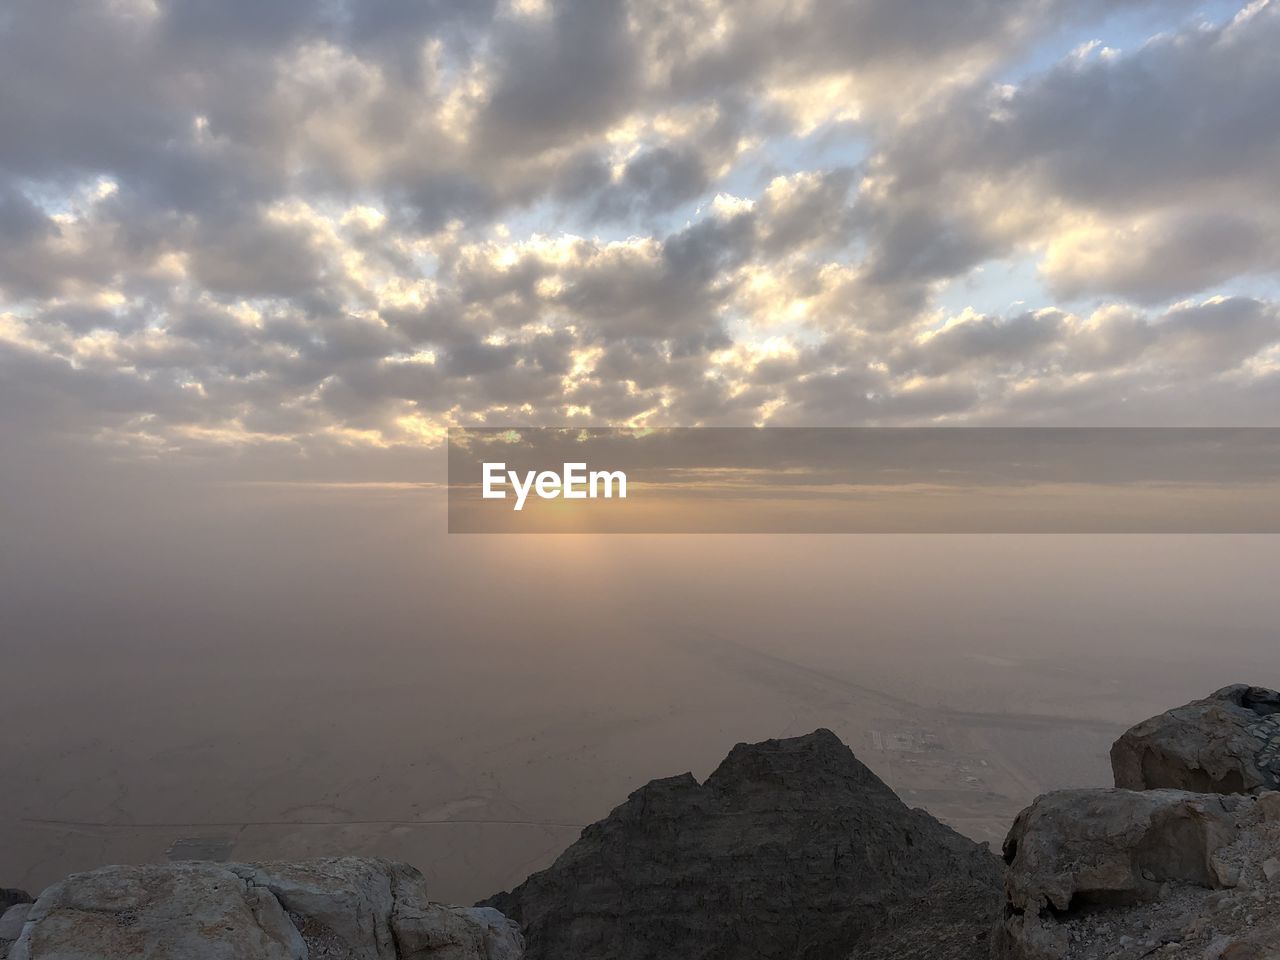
column 270, row 670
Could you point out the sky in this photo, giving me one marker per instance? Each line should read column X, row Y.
column 333, row 228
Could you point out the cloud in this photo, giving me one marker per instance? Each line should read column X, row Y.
column 312, row 226
column 1146, row 174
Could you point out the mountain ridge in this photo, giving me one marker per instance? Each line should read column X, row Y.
column 790, row 848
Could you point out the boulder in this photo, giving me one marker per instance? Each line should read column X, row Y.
column 1073, row 849
column 14, row 907
column 372, row 909
column 345, row 901
column 11, row 923
column 1095, row 872
column 350, row 908
column 432, row 931
column 790, row 849
column 194, row 911
column 1228, row 742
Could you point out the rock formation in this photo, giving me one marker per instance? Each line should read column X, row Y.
column 14, row 906
column 11, row 923
column 1119, row 875
column 349, row 908
column 1228, row 742
column 1122, row 874
column 790, row 849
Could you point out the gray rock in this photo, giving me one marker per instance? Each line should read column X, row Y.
column 1082, row 863
column 790, row 849
column 194, row 911
column 1228, row 742
column 1089, row 847
column 332, row 909
column 10, row 899
column 432, row 931
column 347, row 900
column 502, row 937
column 366, row 909
column 11, row 922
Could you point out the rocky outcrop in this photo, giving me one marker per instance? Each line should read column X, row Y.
column 180, row 910
column 1073, row 852
column 1073, row 849
column 1120, row 875
column 1228, row 742
column 790, row 849
column 349, row 908
column 14, row 907
column 12, row 921
column 1147, row 871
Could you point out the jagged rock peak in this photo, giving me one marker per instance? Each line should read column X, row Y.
column 818, row 757
column 791, row 848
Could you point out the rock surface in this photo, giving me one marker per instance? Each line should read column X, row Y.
column 1148, row 871
column 11, row 923
column 14, row 906
column 1228, row 742
column 1121, row 875
column 790, row 849
column 1075, row 849
column 349, row 908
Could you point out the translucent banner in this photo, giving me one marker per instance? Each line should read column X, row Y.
column 864, row 480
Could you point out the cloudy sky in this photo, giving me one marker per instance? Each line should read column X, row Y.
column 257, row 255
column 305, row 226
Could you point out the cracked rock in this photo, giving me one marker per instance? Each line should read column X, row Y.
column 348, row 908
column 1093, row 872
column 1228, row 742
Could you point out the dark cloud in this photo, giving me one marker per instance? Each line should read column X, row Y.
column 653, row 182
column 561, row 78
column 21, row 221
column 255, row 259
column 224, row 23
